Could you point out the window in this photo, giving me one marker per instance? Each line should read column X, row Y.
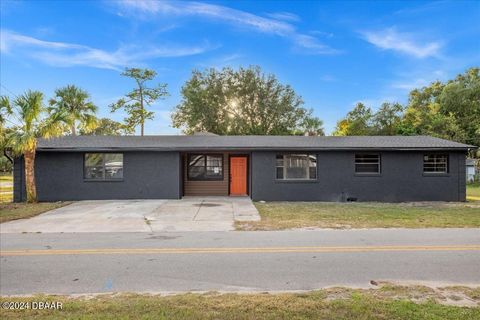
column 103, row 166
column 367, row 163
column 435, row 163
column 205, row 167
column 296, row 167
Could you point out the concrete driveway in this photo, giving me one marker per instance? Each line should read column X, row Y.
column 187, row 214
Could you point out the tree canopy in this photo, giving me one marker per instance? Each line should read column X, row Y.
column 449, row 110
column 242, row 102
column 356, row 123
column 108, row 127
column 76, row 107
column 136, row 101
column 33, row 123
column 5, row 112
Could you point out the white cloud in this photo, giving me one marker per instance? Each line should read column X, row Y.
column 231, row 57
column 312, row 45
column 391, row 39
column 285, row 16
column 221, row 61
column 415, row 83
column 207, row 10
column 419, row 79
column 64, row 54
column 277, row 26
column 11, row 39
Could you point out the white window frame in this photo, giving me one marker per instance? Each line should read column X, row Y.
column 308, row 155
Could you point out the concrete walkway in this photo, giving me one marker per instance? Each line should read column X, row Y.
column 188, row 214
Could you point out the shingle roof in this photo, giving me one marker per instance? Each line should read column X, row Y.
column 164, row 143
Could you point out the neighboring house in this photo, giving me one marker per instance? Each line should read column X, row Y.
column 290, row 168
column 471, row 169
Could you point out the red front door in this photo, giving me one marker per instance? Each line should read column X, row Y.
column 238, row 176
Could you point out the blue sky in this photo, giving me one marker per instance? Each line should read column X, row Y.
column 333, row 54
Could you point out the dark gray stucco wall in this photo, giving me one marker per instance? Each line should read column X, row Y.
column 157, row 175
column 19, row 191
column 462, row 178
column 401, row 179
column 147, row 175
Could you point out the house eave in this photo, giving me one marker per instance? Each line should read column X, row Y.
column 188, row 149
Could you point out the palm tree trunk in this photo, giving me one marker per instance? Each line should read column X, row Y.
column 30, row 176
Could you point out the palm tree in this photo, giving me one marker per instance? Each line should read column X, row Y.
column 22, row 140
column 5, row 111
column 74, row 103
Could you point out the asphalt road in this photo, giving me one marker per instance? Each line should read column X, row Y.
column 79, row 263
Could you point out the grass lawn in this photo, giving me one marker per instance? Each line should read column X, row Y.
column 287, row 215
column 473, row 191
column 387, row 302
column 14, row 211
column 6, row 191
column 6, row 177
column 6, row 198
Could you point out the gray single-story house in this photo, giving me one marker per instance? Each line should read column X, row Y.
column 271, row 168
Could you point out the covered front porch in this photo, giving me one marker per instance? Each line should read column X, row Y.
column 216, row 173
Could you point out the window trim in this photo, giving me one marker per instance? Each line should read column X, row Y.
column 436, row 173
column 363, row 174
column 85, row 179
column 284, row 179
column 220, row 178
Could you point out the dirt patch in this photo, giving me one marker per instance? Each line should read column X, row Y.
column 453, row 295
